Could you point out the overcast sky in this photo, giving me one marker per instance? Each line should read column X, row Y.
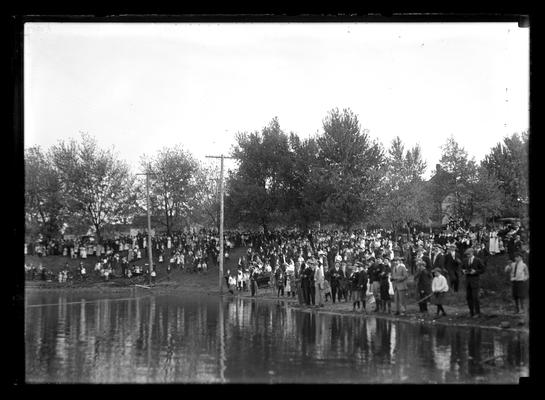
column 140, row 87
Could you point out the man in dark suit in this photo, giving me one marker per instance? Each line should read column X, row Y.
column 336, row 275
column 438, row 258
column 472, row 268
column 452, row 264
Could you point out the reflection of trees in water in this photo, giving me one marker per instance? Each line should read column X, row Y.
column 173, row 340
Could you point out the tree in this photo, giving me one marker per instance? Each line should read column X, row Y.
column 508, row 163
column 348, row 171
column 463, row 175
column 205, row 207
column 257, row 190
column 404, row 198
column 487, row 196
column 43, row 199
column 173, row 185
column 95, row 184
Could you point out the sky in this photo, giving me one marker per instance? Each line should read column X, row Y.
column 139, row 87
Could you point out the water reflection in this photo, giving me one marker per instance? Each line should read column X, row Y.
column 71, row 338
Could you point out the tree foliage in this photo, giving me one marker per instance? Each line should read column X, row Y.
column 44, row 205
column 258, row 188
column 508, row 163
column 96, row 185
column 348, row 170
column 403, row 194
column 173, row 185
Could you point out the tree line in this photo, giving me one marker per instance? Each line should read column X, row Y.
column 339, row 177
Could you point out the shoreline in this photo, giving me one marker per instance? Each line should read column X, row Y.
column 516, row 323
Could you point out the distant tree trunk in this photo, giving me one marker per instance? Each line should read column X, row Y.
column 98, row 233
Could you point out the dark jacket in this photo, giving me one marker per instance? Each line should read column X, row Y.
column 362, row 281
column 439, row 262
column 423, row 280
column 452, row 265
column 336, row 276
column 374, row 272
column 477, row 265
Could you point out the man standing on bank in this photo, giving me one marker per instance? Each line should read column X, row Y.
column 519, row 275
column 452, row 264
column 472, row 268
column 400, row 274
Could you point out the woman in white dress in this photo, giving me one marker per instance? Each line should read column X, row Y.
column 83, row 252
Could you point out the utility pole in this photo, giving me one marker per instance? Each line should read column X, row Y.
column 220, row 281
column 149, row 222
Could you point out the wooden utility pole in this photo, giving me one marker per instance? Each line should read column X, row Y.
column 149, row 223
column 220, row 281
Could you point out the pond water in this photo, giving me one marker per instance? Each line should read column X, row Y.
column 188, row 338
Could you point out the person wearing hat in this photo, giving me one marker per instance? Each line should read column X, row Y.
column 319, row 283
column 439, row 287
column 452, row 263
column 519, row 275
column 423, row 279
column 336, row 274
column 438, row 258
column 399, row 282
column 374, row 273
column 354, row 286
column 362, row 284
column 472, row 268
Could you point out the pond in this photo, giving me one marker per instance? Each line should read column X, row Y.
column 190, row 338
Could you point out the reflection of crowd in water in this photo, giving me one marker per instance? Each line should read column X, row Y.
column 384, row 350
column 374, row 266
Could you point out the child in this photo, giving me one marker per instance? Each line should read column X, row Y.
column 354, row 288
column 385, row 299
column 519, row 275
column 439, row 288
column 153, row 275
column 232, row 284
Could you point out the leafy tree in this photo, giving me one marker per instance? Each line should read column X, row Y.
column 205, row 207
column 95, row 184
column 348, row 170
column 173, row 185
column 462, row 176
column 257, row 190
column 508, row 162
column 404, row 197
column 487, row 196
column 43, row 198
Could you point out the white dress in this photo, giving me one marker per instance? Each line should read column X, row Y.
column 494, row 245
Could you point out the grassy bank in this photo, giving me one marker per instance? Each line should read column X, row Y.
column 496, row 303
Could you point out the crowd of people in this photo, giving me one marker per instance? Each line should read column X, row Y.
column 190, row 251
column 368, row 268
column 375, row 266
